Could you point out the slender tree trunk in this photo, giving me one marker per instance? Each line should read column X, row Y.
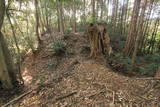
column 125, row 16
column 102, row 5
column 139, row 34
column 37, row 21
column 28, row 35
column 59, row 3
column 74, row 15
column 97, row 9
column 114, row 10
column 44, row 22
column 114, row 14
column 58, row 16
column 108, row 17
column 154, row 38
column 84, row 17
column 155, row 28
column 46, row 15
column 130, row 42
column 93, row 11
column 122, row 18
column 42, row 26
column 146, row 27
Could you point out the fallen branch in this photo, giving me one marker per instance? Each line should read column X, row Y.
column 67, row 95
column 102, row 91
column 153, row 78
column 17, row 98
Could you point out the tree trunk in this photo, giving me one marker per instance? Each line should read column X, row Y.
column 113, row 11
column 139, row 34
column 7, row 71
column 125, row 16
column 97, row 9
column 74, row 15
column 84, row 17
column 60, row 16
column 114, row 14
column 18, row 49
column 146, row 27
column 153, row 36
column 102, row 5
column 4, row 75
column 130, row 42
column 37, row 20
column 93, row 11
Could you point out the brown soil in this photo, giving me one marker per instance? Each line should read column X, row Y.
column 74, row 80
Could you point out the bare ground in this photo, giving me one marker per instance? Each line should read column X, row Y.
column 74, row 80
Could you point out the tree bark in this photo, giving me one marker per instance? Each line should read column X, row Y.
column 102, row 5
column 60, row 16
column 18, row 49
column 74, row 15
column 37, row 21
column 4, row 75
column 130, row 42
column 93, row 11
column 139, row 34
column 84, row 17
column 7, row 71
column 146, row 27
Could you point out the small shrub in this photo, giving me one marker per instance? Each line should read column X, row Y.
column 58, row 47
column 67, row 31
column 143, row 70
column 153, row 67
column 153, row 58
column 81, row 28
column 149, row 70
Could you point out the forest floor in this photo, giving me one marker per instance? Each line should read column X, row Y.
column 74, row 80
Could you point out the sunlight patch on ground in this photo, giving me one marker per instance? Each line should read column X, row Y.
column 26, row 76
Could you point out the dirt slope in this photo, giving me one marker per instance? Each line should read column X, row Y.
column 74, row 80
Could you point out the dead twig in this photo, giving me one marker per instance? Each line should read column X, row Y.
column 153, row 78
column 94, row 94
column 113, row 93
column 67, row 95
column 17, row 98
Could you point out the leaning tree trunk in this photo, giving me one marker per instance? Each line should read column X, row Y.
column 7, row 71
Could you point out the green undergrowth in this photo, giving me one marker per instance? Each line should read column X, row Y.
column 59, row 47
column 145, row 65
